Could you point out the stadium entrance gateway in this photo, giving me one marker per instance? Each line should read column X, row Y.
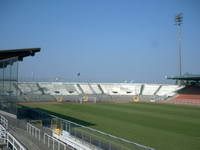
column 9, row 77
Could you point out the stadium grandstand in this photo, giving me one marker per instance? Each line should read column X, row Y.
column 93, row 92
column 190, row 94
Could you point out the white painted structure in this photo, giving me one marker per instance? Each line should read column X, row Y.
column 167, row 90
column 73, row 142
column 150, row 89
column 121, row 88
column 126, row 89
column 87, row 89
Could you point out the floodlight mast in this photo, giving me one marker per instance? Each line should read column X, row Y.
column 179, row 22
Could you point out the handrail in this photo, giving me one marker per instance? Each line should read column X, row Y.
column 4, row 121
column 54, row 139
column 35, row 132
column 106, row 134
column 14, row 141
column 4, row 125
column 97, row 131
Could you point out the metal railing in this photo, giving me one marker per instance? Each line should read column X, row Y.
column 51, row 142
column 33, row 131
column 48, row 140
column 7, row 137
column 2, row 134
column 4, row 121
column 82, row 135
column 92, row 137
column 14, row 142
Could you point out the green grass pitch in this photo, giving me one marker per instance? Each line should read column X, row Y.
column 161, row 126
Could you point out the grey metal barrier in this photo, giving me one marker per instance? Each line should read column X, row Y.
column 81, row 135
column 92, row 137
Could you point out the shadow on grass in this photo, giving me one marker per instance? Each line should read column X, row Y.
column 65, row 117
column 28, row 113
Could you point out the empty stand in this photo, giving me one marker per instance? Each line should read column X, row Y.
column 86, row 88
column 95, row 88
column 187, row 95
column 79, row 88
column 168, row 90
column 64, row 91
column 54, row 88
column 71, row 88
column 29, row 88
column 121, row 89
column 150, row 89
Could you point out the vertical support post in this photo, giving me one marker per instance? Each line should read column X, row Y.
column 48, row 141
column 39, row 135
column 30, row 130
column 58, row 145
column 44, row 138
column 53, row 144
column 179, row 49
column 13, row 143
column 35, row 132
column 178, row 21
column 3, row 77
column 90, row 139
column 10, row 78
column 69, row 127
column 7, row 140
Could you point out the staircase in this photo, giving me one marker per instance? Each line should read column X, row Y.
column 157, row 90
column 40, row 89
column 141, row 89
column 80, row 89
column 100, row 88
